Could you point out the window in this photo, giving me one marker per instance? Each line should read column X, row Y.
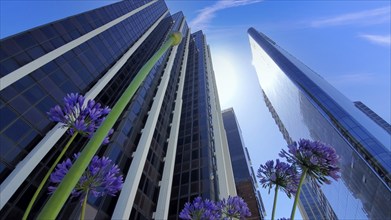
column 17, row 130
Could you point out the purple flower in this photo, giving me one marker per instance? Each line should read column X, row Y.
column 234, row 207
column 282, row 175
column 102, row 177
column 283, row 218
column 79, row 116
column 320, row 160
column 200, row 209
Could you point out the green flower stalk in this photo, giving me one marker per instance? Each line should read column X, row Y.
column 316, row 160
column 80, row 118
column 282, row 175
column 101, row 178
column 59, row 197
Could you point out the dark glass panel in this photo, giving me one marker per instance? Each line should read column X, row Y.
column 23, row 83
column 34, row 116
column 58, row 77
column 47, row 46
column 20, row 104
column 57, row 42
column 8, row 93
column 46, row 104
column 49, row 67
column 38, row 74
column 49, row 32
column 34, row 94
column 38, row 35
column 10, row 47
column 4, row 171
column 5, row 145
column 60, row 28
column 7, row 116
column 52, row 88
column 66, row 37
column 11, row 155
column 30, row 141
column 74, row 34
column 69, row 87
column 36, row 52
column 8, row 66
column 17, row 130
column 25, row 40
column 3, row 54
column 23, row 59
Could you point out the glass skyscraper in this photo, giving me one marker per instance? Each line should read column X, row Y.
column 245, row 180
column 304, row 105
column 172, row 129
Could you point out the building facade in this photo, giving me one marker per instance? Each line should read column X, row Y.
column 97, row 54
column 304, row 105
column 245, row 181
column 201, row 133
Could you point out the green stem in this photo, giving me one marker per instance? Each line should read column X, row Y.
column 64, row 189
column 83, row 207
column 275, row 202
column 27, row 212
column 298, row 193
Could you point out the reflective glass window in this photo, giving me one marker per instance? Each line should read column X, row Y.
column 7, row 116
column 17, row 130
column 8, row 66
column 23, row 59
column 25, row 40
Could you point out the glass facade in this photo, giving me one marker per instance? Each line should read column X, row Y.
column 195, row 163
column 244, row 176
column 112, row 44
column 305, row 106
column 26, row 102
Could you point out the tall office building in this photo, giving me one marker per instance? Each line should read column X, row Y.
column 304, row 105
column 245, row 181
column 97, row 54
column 202, row 163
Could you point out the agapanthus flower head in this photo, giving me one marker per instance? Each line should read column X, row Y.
column 281, row 174
column 319, row 159
column 79, row 116
column 102, row 177
column 200, row 209
column 233, row 208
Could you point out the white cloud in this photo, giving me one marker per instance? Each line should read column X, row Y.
column 384, row 40
column 374, row 16
column 202, row 20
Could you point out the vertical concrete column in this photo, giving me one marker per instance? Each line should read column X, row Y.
column 168, row 171
column 129, row 190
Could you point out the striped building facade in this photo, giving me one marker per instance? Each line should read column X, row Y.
column 174, row 113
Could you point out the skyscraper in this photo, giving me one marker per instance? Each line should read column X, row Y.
column 304, row 105
column 97, row 54
column 202, row 149
column 245, row 181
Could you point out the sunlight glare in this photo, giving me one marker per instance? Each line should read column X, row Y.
column 226, row 73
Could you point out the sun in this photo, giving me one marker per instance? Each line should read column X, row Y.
column 226, row 76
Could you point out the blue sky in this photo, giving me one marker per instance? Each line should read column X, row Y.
column 346, row 42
